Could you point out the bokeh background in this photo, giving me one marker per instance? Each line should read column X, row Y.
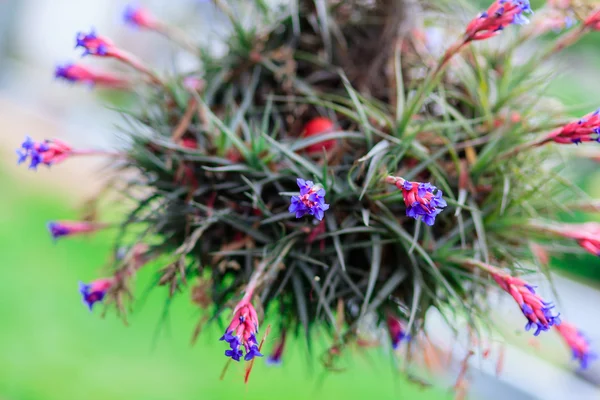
column 51, row 347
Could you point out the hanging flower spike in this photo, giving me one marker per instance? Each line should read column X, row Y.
column 311, row 200
column 80, row 73
column 275, row 357
column 397, row 331
column 47, row 152
column 241, row 332
column 593, row 21
column 423, row 200
column 69, row 228
column 139, row 17
column 318, row 126
column 95, row 291
column 587, row 129
column 536, row 310
column 498, row 16
column 579, row 344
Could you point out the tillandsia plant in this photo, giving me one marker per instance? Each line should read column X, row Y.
column 329, row 175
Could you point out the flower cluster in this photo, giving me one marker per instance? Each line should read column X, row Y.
column 241, row 333
column 80, row 73
column 95, row 291
column 311, row 200
column 396, row 330
column 275, row 357
column 139, row 17
column 579, row 344
column 47, row 152
column 423, row 200
column 69, row 228
column 498, row 16
column 582, row 130
column 537, row 311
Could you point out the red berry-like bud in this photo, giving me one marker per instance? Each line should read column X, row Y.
column 189, row 143
column 318, row 126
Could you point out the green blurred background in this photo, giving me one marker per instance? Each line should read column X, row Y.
column 51, row 347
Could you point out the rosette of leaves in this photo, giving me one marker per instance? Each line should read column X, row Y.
column 215, row 164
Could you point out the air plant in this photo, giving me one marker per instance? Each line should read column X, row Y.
column 271, row 178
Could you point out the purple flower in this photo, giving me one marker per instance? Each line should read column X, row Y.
column 68, row 228
column 95, row 291
column 96, row 45
column 252, row 350
column 32, row 150
column 534, row 321
column 420, row 200
column 235, row 353
column 311, row 200
column 397, row 331
column 47, row 152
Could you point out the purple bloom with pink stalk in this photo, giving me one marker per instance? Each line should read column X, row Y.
column 51, row 151
column 537, row 311
column 69, row 228
column 48, row 152
column 241, row 333
column 103, row 47
column 96, row 291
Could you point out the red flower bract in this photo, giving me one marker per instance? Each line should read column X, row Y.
column 319, row 126
column 499, row 15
